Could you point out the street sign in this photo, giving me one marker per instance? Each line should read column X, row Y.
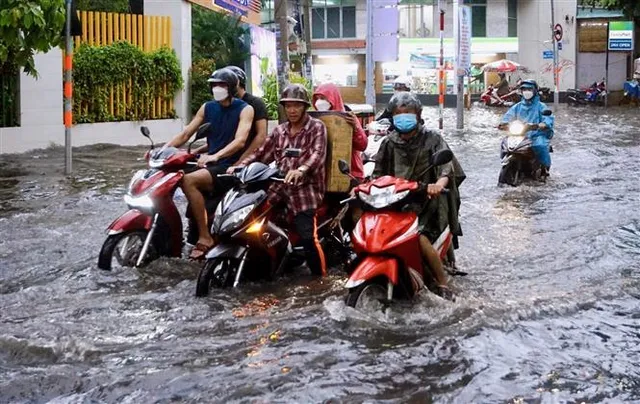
column 621, row 35
column 559, row 45
column 557, row 32
column 464, row 39
column 547, row 54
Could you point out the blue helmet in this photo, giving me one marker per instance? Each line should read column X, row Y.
column 529, row 84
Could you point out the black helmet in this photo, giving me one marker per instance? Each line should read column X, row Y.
column 296, row 93
column 242, row 77
column 225, row 76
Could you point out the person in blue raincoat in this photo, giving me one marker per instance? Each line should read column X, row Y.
column 529, row 110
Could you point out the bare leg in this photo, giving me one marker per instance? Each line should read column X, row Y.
column 193, row 184
column 431, row 256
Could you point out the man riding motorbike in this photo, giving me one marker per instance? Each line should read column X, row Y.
column 406, row 153
column 230, row 120
column 400, row 84
column 529, row 111
column 304, row 184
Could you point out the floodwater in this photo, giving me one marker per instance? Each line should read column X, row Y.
column 549, row 313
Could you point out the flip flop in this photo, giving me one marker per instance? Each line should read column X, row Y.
column 199, row 251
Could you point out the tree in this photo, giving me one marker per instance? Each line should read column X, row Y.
column 218, row 36
column 27, row 27
column 114, row 6
column 631, row 8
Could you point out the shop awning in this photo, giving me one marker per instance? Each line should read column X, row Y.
column 479, row 46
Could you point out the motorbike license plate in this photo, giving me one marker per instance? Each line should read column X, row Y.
column 514, row 141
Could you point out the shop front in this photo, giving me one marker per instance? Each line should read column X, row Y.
column 345, row 71
column 419, row 59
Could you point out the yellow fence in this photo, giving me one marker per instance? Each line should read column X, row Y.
column 147, row 32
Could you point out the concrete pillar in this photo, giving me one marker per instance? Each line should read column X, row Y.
column 180, row 13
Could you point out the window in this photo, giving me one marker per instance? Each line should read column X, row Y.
column 333, row 19
column 478, row 18
column 416, row 21
column 342, row 74
column 513, row 18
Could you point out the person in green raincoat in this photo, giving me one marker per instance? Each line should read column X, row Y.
column 406, row 153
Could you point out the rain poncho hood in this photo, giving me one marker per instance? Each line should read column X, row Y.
column 332, row 94
column 531, row 112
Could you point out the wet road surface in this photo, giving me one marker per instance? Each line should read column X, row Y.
column 549, row 313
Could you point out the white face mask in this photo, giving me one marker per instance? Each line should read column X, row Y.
column 323, row 105
column 527, row 94
column 219, row 93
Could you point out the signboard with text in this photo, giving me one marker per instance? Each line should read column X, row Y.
column 464, row 38
column 621, row 35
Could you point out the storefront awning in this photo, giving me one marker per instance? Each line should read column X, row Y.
column 479, row 46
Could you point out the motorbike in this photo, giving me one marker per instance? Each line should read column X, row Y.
column 152, row 227
column 252, row 237
column 518, row 160
column 488, row 97
column 596, row 94
column 377, row 131
column 389, row 263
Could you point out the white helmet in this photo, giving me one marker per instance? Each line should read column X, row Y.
column 403, row 81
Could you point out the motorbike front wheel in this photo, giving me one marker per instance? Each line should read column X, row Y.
column 510, row 175
column 370, row 297
column 217, row 273
column 124, row 249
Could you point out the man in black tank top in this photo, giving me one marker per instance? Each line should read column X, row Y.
column 258, row 132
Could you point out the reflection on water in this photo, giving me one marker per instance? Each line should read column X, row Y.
column 549, row 312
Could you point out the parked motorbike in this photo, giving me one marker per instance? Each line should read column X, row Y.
column 488, row 97
column 253, row 240
column 518, row 160
column 386, row 240
column 596, row 94
column 377, row 131
column 152, row 227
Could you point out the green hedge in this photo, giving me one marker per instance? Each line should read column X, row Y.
column 115, row 6
column 200, row 92
column 98, row 69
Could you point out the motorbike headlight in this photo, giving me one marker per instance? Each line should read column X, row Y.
column 233, row 220
column 156, row 163
column 516, row 128
column 217, row 218
column 142, row 202
column 381, row 197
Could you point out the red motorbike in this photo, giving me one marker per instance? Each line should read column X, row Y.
column 491, row 98
column 152, row 227
column 386, row 241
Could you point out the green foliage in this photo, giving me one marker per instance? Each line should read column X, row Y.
column 27, row 27
column 200, row 93
column 270, row 89
column 115, row 6
column 97, row 69
column 218, row 36
column 296, row 78
column 631, row 8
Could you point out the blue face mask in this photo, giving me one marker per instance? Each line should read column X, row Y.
column 405, row 123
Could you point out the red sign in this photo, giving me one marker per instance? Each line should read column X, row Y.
column 557, row 32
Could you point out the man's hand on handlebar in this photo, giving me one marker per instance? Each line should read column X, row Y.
column 434, row 190
column 293, row 177
column 503, row 126
column 207, row 159
column 233, row 169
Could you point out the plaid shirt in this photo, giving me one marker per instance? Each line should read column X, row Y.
column 312, row 140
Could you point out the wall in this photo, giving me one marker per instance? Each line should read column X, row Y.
column 41, row 107
column 591, row 68
column 533, row 34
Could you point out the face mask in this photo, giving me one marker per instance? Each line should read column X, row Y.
column 527, row 94
column 219, row 93
column 323, row 105
column 405, row 123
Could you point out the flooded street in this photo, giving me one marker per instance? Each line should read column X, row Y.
column 549, row 313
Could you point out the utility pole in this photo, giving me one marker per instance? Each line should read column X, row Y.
column 307, row 38
column 370, row 91
column 442, row 5
column 68, row 90
column 459, row 77
column 281, row 17
column 556, row 93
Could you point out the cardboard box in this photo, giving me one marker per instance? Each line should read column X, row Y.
column 339, row 142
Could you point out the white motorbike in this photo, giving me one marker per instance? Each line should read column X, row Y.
column 377, row 132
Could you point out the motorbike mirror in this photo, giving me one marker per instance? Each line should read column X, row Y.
column 292, row 152
column 547, row 112
column 441, row 157
column 202, row 131
column 145, row 131
column 343, row 166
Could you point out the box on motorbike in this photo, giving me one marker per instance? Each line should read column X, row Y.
column 339, row 140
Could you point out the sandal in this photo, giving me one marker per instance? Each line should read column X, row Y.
column 445, row 293
column 199, row 251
